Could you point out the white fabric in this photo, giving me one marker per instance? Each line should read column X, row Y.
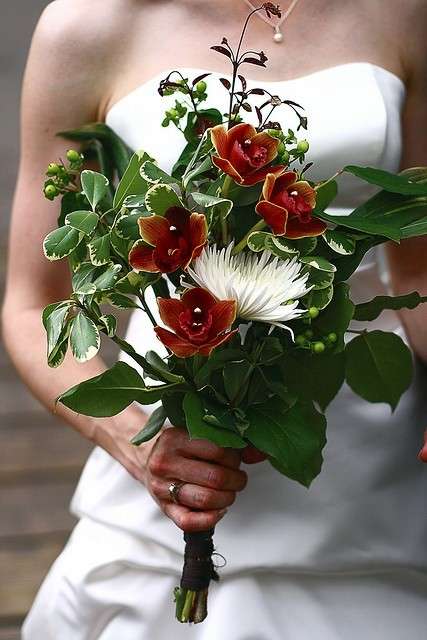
column 344, row 560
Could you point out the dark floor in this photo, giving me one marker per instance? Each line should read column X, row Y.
column 40, row 459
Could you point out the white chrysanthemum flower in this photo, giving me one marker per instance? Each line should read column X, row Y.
column 261, row 284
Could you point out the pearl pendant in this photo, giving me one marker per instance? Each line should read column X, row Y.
column 278, row 36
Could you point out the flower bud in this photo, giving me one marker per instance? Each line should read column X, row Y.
column 172, row 113
column 50, row 191
column 318, row 347
column 332, row 337
column 73, row 155
column 303, row 146
column 308, row 333
column 285, row 156
column 313, row 312
column 201, row 86
column 300, row 340
column 52, row 169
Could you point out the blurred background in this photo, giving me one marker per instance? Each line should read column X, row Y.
column 40, row 458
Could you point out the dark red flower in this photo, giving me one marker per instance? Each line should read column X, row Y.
column 244, row 154
column 286, row 205
column 200, row 322
column 175, row 238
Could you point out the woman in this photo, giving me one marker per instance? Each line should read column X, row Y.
column 347, row 559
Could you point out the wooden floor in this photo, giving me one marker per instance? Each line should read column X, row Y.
column 40, row 462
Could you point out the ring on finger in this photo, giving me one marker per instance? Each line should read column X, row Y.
column 174, row 489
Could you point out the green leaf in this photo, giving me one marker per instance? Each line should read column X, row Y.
column 198, row 428
column 119, row 245
column 61, row 242
column 99, row 250
column 339, row 241
column 54, row 318
column 110, row 323
column 372, row 309
column 161, row 368
column 122, row 302
column 77, row 256
column 85, row 274
column 84, row 338
column 294, row 438
column 314, row 377
column 71, row 201
column 132, row 183
column 320, row 298
column 107, row 277
column 320, row 279
column 378, row 367
column 216, row 361
column 243, row 196
column 337, row 315
column 403, row 184
column 347, row 265
column 325, row 194
column 115, row 148
column 317, row 262
column 95, row 186
column 220, row 207
column 151, row 428
column 172, row 404
column 133, row 282
column 127, row 226
column 234, row 375
column 151, row 173
column 84, row 221
column 111, row 392
column 160, row 198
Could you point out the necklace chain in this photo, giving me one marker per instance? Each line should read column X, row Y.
column 278, row 35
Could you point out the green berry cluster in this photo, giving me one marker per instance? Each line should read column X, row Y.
column 174, row 114
column 316, row 344
column 62, row 178
column 197, row 94
column 289, row 147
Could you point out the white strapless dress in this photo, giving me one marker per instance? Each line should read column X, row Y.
column 345, row 560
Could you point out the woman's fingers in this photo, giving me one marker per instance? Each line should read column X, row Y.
column 206, row 474
column 252, row 455
column 202, row 449
column 423, row 453
column 188, row 520
column 195, row 496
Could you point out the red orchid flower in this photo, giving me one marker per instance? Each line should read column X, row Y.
column 200, row 322
column 175, row 238
column 286, row 205
column 244, row 154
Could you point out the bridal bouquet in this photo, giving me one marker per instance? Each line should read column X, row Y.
column 250, row 273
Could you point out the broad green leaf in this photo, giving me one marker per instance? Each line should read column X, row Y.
column 293, row 438
column 133, row 282
column 201, row 167
column 172, row 404
column 54, row 319
column 244, row 195
column 347, row 265
column 111, row 392
column 235, row 380
column 325, row 194
column 337, row 315
column 220, row 207
column 132, row 183
column 61, row 242
column 403, row 184
column 78, row 256
column 84, row 221
column 314, row 377
column 58, row 354
column 119, row 245
column 372, row 309
column 199, row 428
column 378, row 367
column 85, row 274
column 317, row 262
column 151, row 428
column 127, row 226
column 216, row 361
column 116, row 150
column 339, row 241
column 152, row 174
column 160, row 198
column 415, row 229
column 71, row 201
column 94, row 186
column 84, row 338
column 110, row 323
column 161, row 368
column 122, row 302
column 99, row 250
column 106, row 279
column 320, row 279
column 134, row 202
column 320, row 298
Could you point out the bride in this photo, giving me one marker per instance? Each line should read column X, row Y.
column 346, row 559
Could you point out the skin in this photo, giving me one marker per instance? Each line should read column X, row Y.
column 99, row 71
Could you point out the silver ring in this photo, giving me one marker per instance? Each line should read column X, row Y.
column 174, row 489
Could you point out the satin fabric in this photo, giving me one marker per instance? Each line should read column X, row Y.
column 344, row 560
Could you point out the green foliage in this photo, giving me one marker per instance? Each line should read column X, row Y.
column 378, row 367
column 340, row 241
column 402, row 183
column 84, row 221
column 337, row 315
column 160, row 198
column 132, row 182
column 95, row 186
column 61, row 242
column 198, row 427
column 152, row 174
column 99, row 250
column 372, row 309
column 151, row 428
column 293, row 437
column 84, row 338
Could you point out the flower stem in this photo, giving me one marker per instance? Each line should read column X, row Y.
column 147, row 309
column 244, row 241
column 322, row 184
column 226, row 186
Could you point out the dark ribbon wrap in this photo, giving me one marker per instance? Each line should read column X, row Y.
column 198, row 568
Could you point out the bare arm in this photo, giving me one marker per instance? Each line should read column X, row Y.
column 407, row 261
column 65, row 86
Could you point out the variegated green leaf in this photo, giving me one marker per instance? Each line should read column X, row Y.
column 84, row 338
column 320, row 263
column 61, row 242
column 84, row 221
column 160, row 198
column 320, row 298
column 110, row 323
column 107, row 278
column 340, row 242
column 122, row 302
column 94, row 186
column 132, row 182
column 99, row 250
column 127, row 226
column 153, row 174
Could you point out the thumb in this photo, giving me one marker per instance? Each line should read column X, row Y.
column 252, row 455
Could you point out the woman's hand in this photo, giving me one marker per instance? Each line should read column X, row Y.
column 211, row 474
column 423, row 453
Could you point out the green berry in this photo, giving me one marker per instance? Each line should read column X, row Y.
column 300, row 340
column 201, row 86
column 53, row 169
column 281, row 148
column 50, row 191
column 73, row 155
column 313, row 312
column 172, row 114
column 285, row 156
column 332, row 337
column 303, row 146
column 318, row 347
column 308, row 333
